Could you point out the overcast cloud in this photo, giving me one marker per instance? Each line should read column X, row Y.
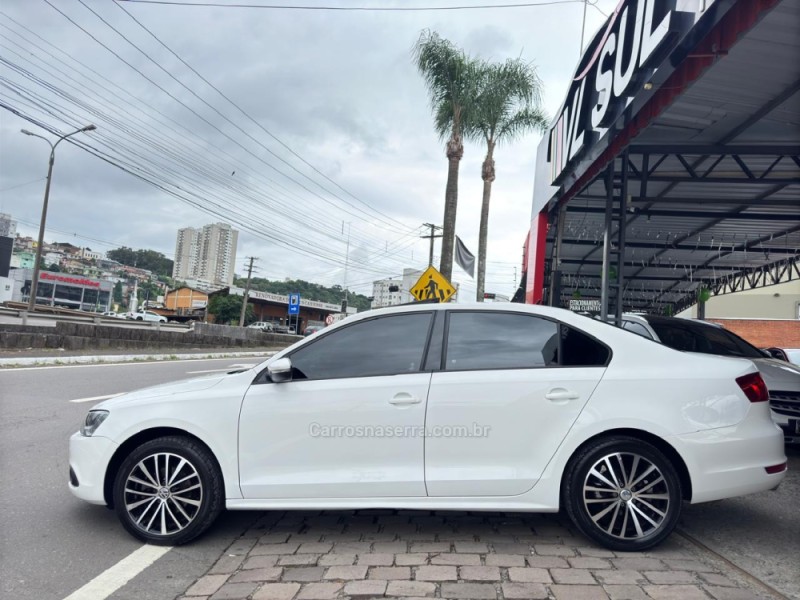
column 339, row 88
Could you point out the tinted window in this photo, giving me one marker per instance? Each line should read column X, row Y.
column 704, row 338
column 382, row 346
column 483, row 340
column 637, row 328
column 580, row 350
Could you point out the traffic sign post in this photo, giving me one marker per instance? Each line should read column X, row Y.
column 294, row 309
column 432, row 287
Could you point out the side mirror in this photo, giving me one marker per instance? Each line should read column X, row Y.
column 776, row 353
column 280, row 370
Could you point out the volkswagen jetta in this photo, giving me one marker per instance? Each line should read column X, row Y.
column 485, row 407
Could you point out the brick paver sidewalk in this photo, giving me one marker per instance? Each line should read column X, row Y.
column 313, row 555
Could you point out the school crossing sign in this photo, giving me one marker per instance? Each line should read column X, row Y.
column 432, row 286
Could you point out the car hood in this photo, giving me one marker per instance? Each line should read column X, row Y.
column 779, row 375
column 185, row 387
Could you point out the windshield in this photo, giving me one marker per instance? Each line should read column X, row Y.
column 691, row 337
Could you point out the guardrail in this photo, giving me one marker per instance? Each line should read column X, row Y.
column 62, row 315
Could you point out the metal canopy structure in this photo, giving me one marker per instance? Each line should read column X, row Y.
column 706, row 194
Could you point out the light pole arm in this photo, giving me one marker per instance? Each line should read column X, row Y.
column 40, row 243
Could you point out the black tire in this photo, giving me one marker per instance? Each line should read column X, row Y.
column 599, row 498
column 139, row 319
column 187, row 500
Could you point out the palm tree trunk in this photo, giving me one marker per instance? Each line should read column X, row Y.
column 455, row 150
column 488, row 174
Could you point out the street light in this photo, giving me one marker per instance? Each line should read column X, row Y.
column 35, row 278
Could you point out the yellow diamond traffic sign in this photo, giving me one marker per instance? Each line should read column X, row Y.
column 433, row 286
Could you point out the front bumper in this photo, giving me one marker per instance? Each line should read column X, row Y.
column 88, row 462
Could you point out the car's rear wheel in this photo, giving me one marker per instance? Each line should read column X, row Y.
column 623, row 493
column 168, row 491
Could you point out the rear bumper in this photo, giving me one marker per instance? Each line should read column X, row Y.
column 88, row 461
column 732, row 461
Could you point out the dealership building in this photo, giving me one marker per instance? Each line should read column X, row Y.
column 671, row 173
column 60, row 289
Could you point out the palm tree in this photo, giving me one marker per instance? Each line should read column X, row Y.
column 506, row 107
column 451, row 78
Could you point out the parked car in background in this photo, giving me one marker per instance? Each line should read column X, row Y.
column 505, row 407
column 147, row 315
column 791, row 355
column 114, row 314
column 689, row 335
column 312, row 329
column 265, row 326
column 284, row 329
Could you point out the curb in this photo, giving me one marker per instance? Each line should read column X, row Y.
column 38, row 361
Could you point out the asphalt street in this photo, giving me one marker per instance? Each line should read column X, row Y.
column 53, row 544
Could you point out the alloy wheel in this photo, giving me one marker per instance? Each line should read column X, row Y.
column 626, row 495
column 163, row 493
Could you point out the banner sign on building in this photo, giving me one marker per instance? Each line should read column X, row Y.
column 592, row 306
column 618, row 63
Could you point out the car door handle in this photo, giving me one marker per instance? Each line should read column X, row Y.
column 561, row 394
column 404, row 399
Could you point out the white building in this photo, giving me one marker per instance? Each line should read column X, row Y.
column 8, row 227
column 206, row 254
column 382, row 294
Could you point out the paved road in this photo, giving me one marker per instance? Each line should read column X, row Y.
column 53, row 544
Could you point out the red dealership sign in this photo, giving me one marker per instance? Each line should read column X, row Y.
column 67, row 279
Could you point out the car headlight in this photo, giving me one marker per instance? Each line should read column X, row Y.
column 92, row 422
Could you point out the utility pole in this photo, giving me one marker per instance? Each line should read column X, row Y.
column 346, row 264
column 246, row 291
column 432, row 236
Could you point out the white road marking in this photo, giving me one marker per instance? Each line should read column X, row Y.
column 97, row 398
column 230, row 368
column 113, row 578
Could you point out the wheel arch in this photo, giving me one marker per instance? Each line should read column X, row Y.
column 662, row 445
column 137, row 440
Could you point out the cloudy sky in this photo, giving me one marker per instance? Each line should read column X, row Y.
column 320, row 125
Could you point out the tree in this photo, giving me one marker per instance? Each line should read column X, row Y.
column 451, row 78
column 142, row 259
column 506, row 107
column 226, row 309
column 117, row 293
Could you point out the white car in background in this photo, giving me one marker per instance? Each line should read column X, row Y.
column 147, row 315
column 440, row 407
column 782, row 378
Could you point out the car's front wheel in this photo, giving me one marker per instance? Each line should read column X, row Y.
column 168, row 491
column 623, row 493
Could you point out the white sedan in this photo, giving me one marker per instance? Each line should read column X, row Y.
column 446, row 407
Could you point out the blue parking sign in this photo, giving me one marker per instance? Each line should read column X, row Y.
column 294, row 304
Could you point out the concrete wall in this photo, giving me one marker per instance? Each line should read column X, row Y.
column 773, row 302
column 81, row 336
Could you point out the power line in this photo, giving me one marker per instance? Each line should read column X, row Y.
column 187, row 107
column 255, row 122
column 50, row 87
column 355, row 8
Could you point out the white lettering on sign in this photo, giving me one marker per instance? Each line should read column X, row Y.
column 613, row 68
column 584, row 305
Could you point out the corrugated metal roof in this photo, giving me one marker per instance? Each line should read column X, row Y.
column 706, row 215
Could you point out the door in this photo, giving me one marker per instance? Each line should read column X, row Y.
column 511, row 386
column 350, row 422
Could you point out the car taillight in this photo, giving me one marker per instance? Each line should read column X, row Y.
column 775, row 469
column 753, row 387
